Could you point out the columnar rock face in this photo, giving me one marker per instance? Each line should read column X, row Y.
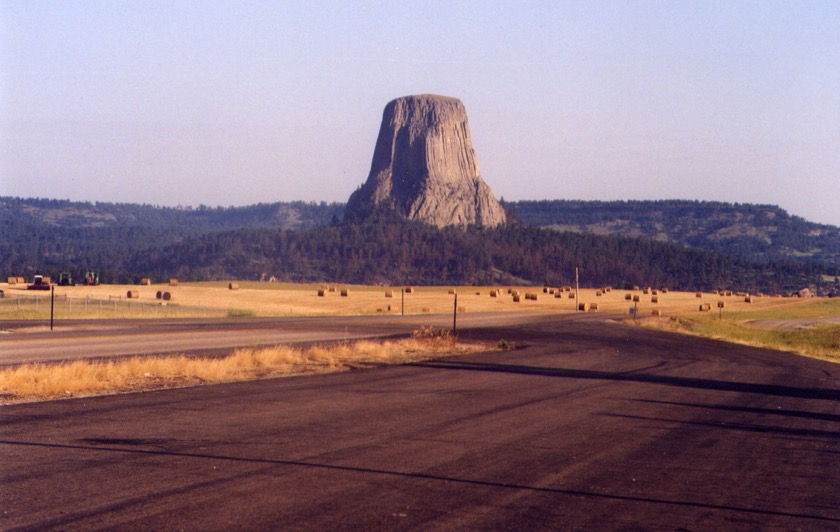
column 424, row 167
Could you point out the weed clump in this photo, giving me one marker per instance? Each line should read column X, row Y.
column 94, row 377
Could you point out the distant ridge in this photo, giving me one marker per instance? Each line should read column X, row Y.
column 646, row 242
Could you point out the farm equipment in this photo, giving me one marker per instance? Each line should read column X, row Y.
column 40, row 283
column 91, row 279
column 65, row 279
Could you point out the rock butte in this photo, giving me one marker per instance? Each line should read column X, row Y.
column 424, row 168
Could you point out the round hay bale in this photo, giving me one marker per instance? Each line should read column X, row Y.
column 516, row 298
column 654, row 299
column 571, row 295
column 558, row 294
column 173, row 282
column 233, row 286
column 494, row 293
column 593, row 307
column 656, row 312
column 389, row 293
column 628, row 297
column 583, row 307
column 409, row 289
column 636, row 298
column 705, row 307
column 132, row 294
column 599, row 293
column 721, row 304
column 345, row 292
column 321, row 292
column 748, row 299
column 167, row 296
column 698, row 294
column 145, row 281
column 158, row 295
column 452, row 291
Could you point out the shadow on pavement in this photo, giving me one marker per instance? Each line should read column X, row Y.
column 413, row 475
column 686, row 382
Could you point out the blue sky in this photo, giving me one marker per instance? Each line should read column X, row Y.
column 235, row 103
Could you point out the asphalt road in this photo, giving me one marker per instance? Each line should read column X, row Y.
column 115, row 338
column 585, row 425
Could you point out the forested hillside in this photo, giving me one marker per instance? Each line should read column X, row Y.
column 394, row 253
column 759, row 233
column 308, row 242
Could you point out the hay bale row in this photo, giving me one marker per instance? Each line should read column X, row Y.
column 17, row 280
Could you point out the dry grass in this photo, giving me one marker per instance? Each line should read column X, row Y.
column 32, row 382
column 821, row 341
column 285, row 299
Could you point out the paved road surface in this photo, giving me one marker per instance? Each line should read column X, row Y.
column 109, row 338
column 584, row 426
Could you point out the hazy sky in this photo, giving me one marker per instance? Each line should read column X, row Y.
column 234, row 103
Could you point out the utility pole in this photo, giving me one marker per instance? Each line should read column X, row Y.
column 52, row 306
column 455, row 315
column 577, row 290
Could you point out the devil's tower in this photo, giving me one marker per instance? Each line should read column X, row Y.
column 424, row 167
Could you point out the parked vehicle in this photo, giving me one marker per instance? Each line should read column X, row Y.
column 40, row 283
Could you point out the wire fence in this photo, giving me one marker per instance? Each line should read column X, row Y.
column 39, row 307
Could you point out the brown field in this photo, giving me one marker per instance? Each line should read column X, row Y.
column 284, row 299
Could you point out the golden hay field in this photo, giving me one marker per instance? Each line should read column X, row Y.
column 285, row 299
